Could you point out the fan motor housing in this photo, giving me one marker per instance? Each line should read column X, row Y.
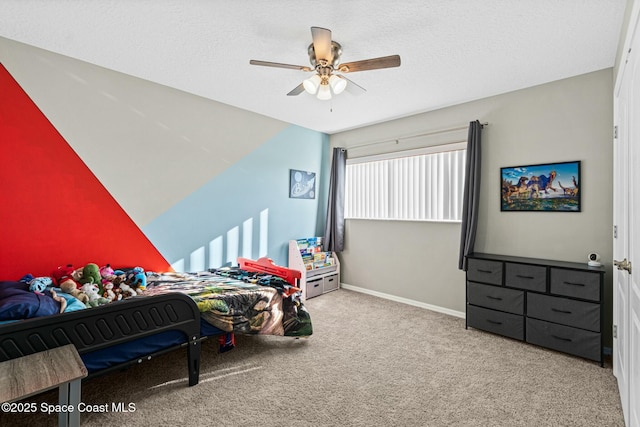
column 336, row 51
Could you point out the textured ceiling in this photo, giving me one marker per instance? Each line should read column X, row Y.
column 452, row 51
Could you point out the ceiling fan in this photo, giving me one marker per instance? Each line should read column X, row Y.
column 324, row 55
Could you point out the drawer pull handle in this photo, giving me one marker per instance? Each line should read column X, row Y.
column 495, row 298
column 494, row 322
column 524, row 277
column 560, row 311
column 485, row 271
column 316, row 285
column 561, row 338
column 573, row 284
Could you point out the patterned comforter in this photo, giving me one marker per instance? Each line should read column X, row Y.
column 234, row 300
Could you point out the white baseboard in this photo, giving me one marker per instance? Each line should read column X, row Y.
column 431, row 307
column 606, row 350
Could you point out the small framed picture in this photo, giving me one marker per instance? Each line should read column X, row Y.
column 302, row 184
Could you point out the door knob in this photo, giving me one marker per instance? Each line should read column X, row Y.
column 623, row 265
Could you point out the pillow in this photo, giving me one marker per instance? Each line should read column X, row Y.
column 16, row 302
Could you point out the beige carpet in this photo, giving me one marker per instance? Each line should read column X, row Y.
column 370, row 362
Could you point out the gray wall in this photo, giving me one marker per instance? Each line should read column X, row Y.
column 566, row 120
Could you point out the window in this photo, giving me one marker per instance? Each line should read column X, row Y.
column 424, row 184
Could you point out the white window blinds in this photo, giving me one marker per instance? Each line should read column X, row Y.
column 424, row 184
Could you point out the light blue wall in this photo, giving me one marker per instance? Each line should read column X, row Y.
column 246, row 210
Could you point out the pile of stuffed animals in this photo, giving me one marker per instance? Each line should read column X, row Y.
column 91, row 284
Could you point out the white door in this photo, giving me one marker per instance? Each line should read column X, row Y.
column 626, row 244
column 633, row 363
column 621, row 245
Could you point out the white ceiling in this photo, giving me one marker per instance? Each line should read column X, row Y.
column 452, row 51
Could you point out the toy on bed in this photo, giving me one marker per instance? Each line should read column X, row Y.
column 108, row 288
column 106, row 272
column 266, row 265
column 63, row 278
column 137, row 279
column 93, row 294
column 69, row 287
column 61, row 300
column 91, row 274
column 108, row 293
column 127, row 291
column 37, row 284
column 62, row 274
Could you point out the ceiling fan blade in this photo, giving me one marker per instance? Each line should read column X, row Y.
column 322, row 43
column 279, row 65
column 354, row 88
column 370, row 64
column 297, row 90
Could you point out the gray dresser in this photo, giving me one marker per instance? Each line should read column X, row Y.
column 554, row 304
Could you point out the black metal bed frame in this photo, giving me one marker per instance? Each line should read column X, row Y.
column 108, row 325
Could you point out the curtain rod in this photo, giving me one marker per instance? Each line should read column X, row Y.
column 397, row 140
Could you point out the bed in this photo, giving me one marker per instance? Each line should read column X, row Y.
column 176, row 310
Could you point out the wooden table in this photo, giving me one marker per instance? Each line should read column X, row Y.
column 29, row 375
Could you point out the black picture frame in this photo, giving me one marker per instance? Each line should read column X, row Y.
column 544, row 187
column 302, row 184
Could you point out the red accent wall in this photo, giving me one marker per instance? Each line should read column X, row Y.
column 53, row 210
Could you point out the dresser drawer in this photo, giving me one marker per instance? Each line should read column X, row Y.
column 314, row 287
column 581, row 314
column 564, row 338
column 507, row 324
column 480, row 270
column 524, row 276
column 497, row 298
column 330, row 283
column 577, row 284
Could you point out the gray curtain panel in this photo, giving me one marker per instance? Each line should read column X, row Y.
column 471, row 194
column 334, row 227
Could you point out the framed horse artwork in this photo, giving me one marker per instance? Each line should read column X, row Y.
column 549, row 187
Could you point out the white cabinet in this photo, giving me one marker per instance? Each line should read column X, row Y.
column 320, row 270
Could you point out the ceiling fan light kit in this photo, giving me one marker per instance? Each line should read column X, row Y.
column 338, row 84
column 324, row 54
column 324, row 87
column 312, row 84
column 324, row 93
